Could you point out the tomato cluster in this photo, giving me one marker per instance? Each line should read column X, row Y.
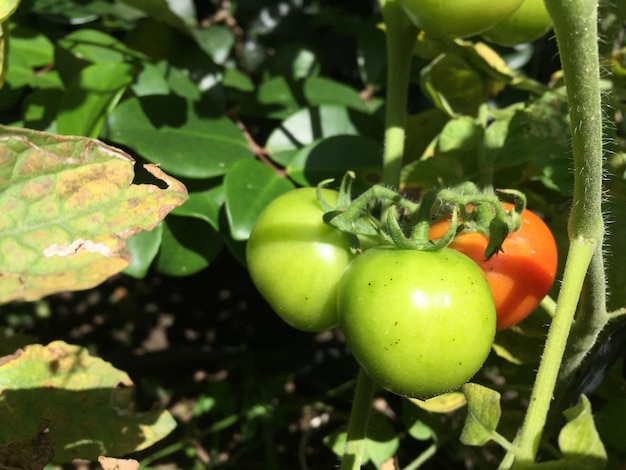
column 420, row 323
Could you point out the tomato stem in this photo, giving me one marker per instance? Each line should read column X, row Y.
column 575, row 26
column 401, row 35
column 357, row 425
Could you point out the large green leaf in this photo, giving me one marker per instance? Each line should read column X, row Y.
column 66, row 206
column 96, row 46
column 381, row 441
column 185, row 138
column 188, row 246
column 90, row 96
column 88, row 403
column 454, row 86
column 310, row 124
column 321, row 90
column 333, row 156
column 249, row 186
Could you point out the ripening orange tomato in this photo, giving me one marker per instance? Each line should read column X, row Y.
column 521, row 275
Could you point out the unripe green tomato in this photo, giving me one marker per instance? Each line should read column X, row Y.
column 295, row 260
column 529, row 22
column 419, row 323
column 458, row 18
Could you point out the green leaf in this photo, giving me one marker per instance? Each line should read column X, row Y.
column 381, row 442
column 32, row 47
column 66, row 206
column 188, row 246
column 185, row 138
column 275, row 98
column 320, row 90
column 89, row 98
column 96, row 47
column 460, row 135
column 235, row 78
column 217, row 41
column 204, row 203
column 382, row 439
column 538, row 136
column 40, row 108
column 441, row 170
column 160, row 10
column 333, row 156
column 421, row 130
column 88, row 403
column 310, row 124
column 150, row 81
column 142, row 249
column 454, row 86
column 249, row 187
column 579, row 441
column 483, row 414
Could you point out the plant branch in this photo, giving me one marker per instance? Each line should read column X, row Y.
column 401, row 35
column 357, row 425
column 575, row 26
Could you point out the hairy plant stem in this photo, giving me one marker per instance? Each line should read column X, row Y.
column 401, row 35
column 357, row 425
column 575, row 26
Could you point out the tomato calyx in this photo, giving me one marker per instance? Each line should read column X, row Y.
column 396, row 220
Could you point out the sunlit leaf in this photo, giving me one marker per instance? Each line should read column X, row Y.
column 142, row 249
column 249, row 187
column 188, row 245
column 579, row 441
column 184, row 138
column 333, row 156
column 445, row 403
column 483, row 414
column 90, row 96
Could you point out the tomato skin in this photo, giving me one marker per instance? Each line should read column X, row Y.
column 295, row 260
column 419, row 323
column 458, row 18
column 528, row 23
column 522, row 274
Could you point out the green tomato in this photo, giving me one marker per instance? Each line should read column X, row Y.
column 295, row 260
column 419, row 323
column 529, row 22
column 458, row 18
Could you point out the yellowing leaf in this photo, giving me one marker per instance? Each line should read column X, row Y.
column 445, row 403
column 67, row 204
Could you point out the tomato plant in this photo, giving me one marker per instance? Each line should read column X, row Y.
column 458, row 18
column 529, row 22
column 519, row 276
column 296, row 260
column 420, row 323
